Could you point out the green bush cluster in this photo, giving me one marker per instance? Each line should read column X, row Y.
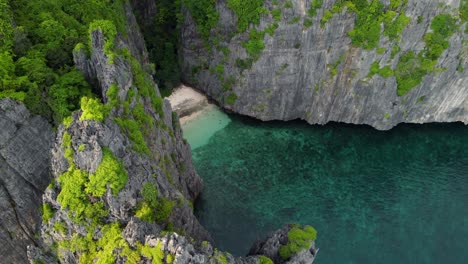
column 143, row 83
column 204, row 13
column 110, row 173
column 77, row 188
column 385, row 72
column 464, row 13
column 334, row 67
column 92, row 109
column 314, row 6
column 413, row 67
column 247, row 12
column 36, row 63
column 47, row 212
column 369, row 17
column 254, row 46
column 109, row 246
column 298, row 240
column 109, row 30
column 162, row 38
column 265, row 260
column 133, row 131
column 231, row 99
column 154, row 207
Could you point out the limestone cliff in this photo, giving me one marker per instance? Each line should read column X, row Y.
column 123, row 182
column 25, row 141
column 364, row 62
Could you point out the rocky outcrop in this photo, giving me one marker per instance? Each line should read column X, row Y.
column 123, row 180
column 25, row 142
column 309, row 68
column 270, row 247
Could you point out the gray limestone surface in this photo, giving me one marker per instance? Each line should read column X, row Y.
column 25, row 142
column 293, row 79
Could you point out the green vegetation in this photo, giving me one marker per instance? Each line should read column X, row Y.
column 60, row 227
column 47, row 212
column 162, row 38
column 384, row 72
column 334, row 67
column 369, row 17
column 412, row 68
column 231, row 99
column 409, row 73
column 36, row 55
column 110, row 172
column 154, row 208
column 143, row 83
column 132, row 130
column 247, row 12
column 265, row 260
column 464, row 13
column 109, row 30
column 156, row 254
column 204, row 13
column 381, row 50
column 77, row 188
column 82, row 147
column 315, row 5
column 298, row 240
column 92, row 109
column 220, row 258
column 255, row 45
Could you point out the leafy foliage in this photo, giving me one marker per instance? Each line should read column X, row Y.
column 265, row 260
column 42, row 73
column 92, row 109
column 162, row 39
column 47, row 212
column 110, row 172
column 109, row 30
column 247, row 12
column 298, row 240
column 204, row 13
column 314, row 6
column 231, row 99
column 369, row 17
column 384, row 72
column 412, row 68
column 154, row 207
column 132, row 129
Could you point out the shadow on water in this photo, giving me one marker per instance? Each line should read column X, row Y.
column 398, row 196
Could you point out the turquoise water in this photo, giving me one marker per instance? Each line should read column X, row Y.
column 200, row 130
column 375, row 197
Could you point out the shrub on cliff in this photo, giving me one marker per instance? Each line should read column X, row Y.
column 298, row 240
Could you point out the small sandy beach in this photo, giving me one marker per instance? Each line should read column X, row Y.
column 189, row 103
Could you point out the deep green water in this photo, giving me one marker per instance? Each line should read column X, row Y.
column 375, row 197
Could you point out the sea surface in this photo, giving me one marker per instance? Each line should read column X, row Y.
column 399, row 196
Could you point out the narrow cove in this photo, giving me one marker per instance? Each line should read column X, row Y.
column 399, row 196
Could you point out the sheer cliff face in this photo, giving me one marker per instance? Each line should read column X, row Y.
column 25, row 141
column 312, row 67
column 123, row 182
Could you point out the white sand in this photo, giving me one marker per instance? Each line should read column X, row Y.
column 189, row 103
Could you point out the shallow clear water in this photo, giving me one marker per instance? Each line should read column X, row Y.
column 200, row 130
column 374, row 197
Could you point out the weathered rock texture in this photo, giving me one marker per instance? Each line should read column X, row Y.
column 25, row 142
column 167, row 166
column 292, row 79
